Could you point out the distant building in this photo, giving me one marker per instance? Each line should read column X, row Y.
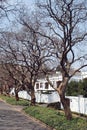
column 56, row 78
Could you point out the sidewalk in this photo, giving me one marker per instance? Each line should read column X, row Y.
column 11, row 118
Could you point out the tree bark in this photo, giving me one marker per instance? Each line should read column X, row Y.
column 65, row 101
column 16, row 95
column 66, row 105
column 1, row 90
column 33, row 98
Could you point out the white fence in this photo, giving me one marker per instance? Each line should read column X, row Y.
column 47, row 98
column 77, row 104
column 41, row 98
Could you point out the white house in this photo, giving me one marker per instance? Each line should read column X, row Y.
column 46, row 94
column 55, row 78
column 42, row 84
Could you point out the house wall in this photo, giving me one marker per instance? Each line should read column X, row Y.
column 54, row 79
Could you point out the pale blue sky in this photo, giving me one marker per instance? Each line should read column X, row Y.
column 29, row 3
column 4, row 22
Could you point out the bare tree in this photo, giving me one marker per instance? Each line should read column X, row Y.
column 4, row 78
column 65, row 20
column 25, row 53
column 9, row 61
column 12, row 62
column 33, row 55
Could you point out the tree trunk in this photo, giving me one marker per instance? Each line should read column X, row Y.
column 65, row 101
column 61, row 89
column 1, row 90
column 33, row 99
column 16, row 95
column 66, row 105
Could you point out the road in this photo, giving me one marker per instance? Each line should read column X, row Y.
column 12, row 118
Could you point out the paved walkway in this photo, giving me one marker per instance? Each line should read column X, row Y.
column 11, row 118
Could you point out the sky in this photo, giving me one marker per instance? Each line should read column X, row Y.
column 27, row 2
column 30, row 5
column 6, row 22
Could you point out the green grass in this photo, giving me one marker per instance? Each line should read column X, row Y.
column 51, row 117
column 56, row 119
column 12, row 101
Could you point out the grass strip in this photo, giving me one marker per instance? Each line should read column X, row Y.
column 56, row 119
column 12, row 101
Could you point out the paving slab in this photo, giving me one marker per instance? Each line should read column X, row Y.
column 11, row 118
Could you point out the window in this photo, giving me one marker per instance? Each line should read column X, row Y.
column 41, row 85
column 37, row 85
column 46, row 85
